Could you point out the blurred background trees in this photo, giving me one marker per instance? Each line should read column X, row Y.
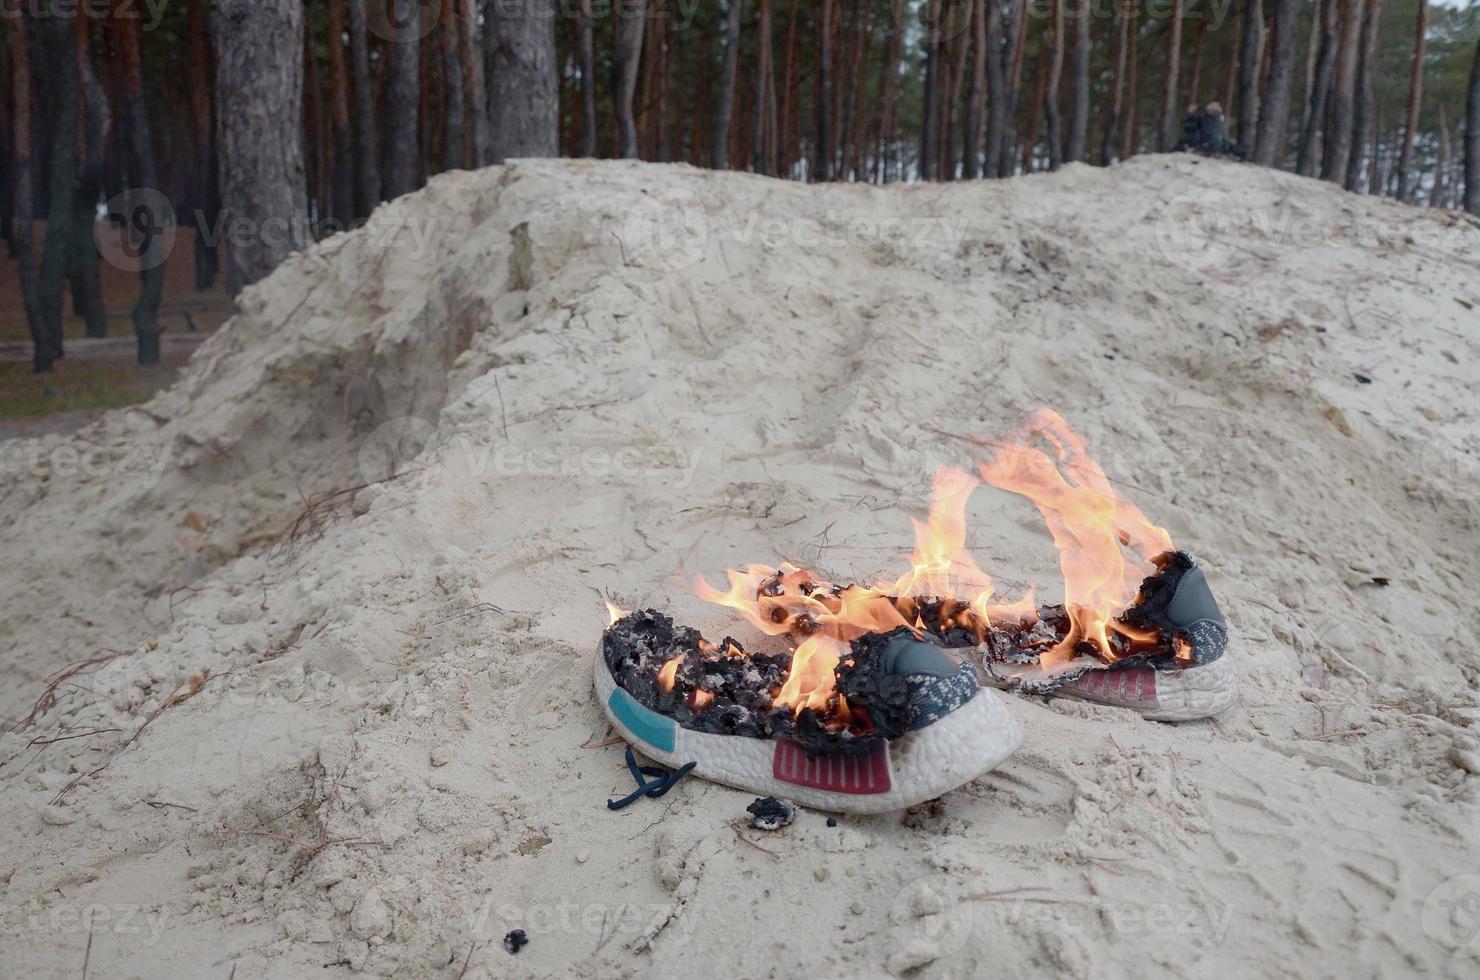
column 267, row 124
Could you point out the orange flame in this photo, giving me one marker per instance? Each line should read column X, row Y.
column 615, row 612
column 1089, row 523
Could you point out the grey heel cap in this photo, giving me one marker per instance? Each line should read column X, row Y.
column 1193, row 602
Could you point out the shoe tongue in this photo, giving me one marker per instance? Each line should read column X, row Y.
column 905, row 656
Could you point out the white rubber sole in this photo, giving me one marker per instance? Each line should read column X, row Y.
column 922, row 765
column 1161, row 695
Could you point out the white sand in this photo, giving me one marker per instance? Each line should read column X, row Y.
column 588, row 373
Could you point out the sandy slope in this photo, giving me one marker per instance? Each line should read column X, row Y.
column 585, row 373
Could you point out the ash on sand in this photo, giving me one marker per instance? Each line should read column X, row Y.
column 769, row 813
column 452, row 607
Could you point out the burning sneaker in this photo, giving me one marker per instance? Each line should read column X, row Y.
column 1165, row 652
column 877, row 724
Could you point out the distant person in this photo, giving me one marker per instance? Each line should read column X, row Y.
column 1204, row 132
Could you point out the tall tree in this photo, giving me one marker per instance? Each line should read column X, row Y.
column 1130, row 140
column 401, row 151
column 1472, row 137
column 449, row 46
column 1079, row 75
column 1275, row 114
column 998, row 98
column 719, row 152
column 367, row 143
column 929, row 122
column 259, row 87
column 1251, row 56
column 971, row 155
column 1339, row 105
column 1052, row 131
column 1364, row 122
column 822, row 165
column 1406, row 184
column 93, row 143
column 1320, row 91
column 1117, row 81
column 586, row 55
column 342, row 178
column 1018, row 38
column 631, row 19
column 1169, row 107
column 480, row 142
column 42, row 356
column 525, row 95
column 59, row 46
column 762, row 159
column 205, row 202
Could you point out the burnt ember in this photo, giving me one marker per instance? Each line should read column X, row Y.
column 769, row 813
column 724, row 689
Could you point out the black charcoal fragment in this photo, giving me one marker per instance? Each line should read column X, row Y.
column 769, row 813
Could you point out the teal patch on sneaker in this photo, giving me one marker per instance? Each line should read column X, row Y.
column 646, row 724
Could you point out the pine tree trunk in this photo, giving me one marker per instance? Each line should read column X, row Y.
column 205, row 203
column 1014, row 58
column 1472, row 138
column 1339, row 107
column 960, row 40
column 854, row 136
column 1313, row 44
column 1320, row 92
column 822, row 162
column 367, row 143
column 719, row 150
column 525, row 92
column 1251, row 57
column 480, row 145
column 1035, row 108
column 1052, row 132
column 259, row 86
column 762, row 157
column 971, row 155
column 23, row 230
column 1406, row 185
column 1169, row 113
column 928, row 122
column 401, row 137
column 1275, row 115
column 342, row 172
column 888, row 95
column 449, row 46
column 1441, row 166
column 95, row 139
column 791, row 134
column 60, row 52
column 586, row 53
column 998, row 119
column 1117, row 82
column 631, row 18
column 1363, row 122
column 1130, row 140
column 312, row 101
column 1079, row 73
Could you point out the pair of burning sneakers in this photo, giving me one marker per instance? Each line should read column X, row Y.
column 956, row 731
